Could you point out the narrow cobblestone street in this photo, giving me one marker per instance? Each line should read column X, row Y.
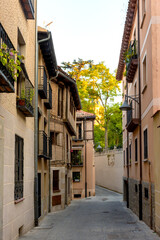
column 103, row 217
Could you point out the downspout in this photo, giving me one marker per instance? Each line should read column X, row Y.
column 36, row 128
column 140, row 127
column 127, row 159
column 49, row 164
column 36, row 125
column 85, row 158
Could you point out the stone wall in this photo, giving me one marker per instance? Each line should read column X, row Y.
column 109, row 169
column 148, row 200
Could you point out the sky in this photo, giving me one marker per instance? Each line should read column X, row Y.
column 87, row 29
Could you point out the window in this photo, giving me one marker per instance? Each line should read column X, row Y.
column 124, row 158
column 71, row 105
column 144, row 72
column 18, row 188
column 127, row 155
column 146, row 195
column 60, row 102
column 76, row 157
column 67, row 147
column 130, row 154
column 136, row 151
column 145, row 136
column 76, row 176
column 79, row 131
column 55, row 180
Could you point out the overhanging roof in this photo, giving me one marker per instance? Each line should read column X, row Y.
column 126, row 37
column 64, row 77
column 48, row 52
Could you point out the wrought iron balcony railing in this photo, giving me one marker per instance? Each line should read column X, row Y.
column 42, row 82
column 48, row 101
column 132, row 118
column 131, row 60
column 6, row 79
column 25, row 96
column 76, row 158
column 43, row 144
column 28, row 8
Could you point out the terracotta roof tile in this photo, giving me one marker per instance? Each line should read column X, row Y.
column 126, row 37
column 84, row 114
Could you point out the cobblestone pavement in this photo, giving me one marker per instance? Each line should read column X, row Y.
column 103, row 217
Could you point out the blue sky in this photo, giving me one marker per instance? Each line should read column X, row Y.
column 88, row 29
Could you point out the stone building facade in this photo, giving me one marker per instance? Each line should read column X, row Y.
column 62, row 128
column 17, row 31
column 47, row 66
column 140, row 84
column 109, row 169
column 82, row 155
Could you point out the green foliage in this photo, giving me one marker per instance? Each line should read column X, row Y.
column 28, row 95
column 97, row 88
column 115, row 127
column 99, row 136
column 11, row 60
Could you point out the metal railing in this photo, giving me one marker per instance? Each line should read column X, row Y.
column 76, row 158
column 4, row 39
column 42, row 82
column 43, row 144
column 25, row 97
column 132, row 53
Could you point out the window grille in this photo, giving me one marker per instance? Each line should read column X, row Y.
column 18, row 189
column 145, row 135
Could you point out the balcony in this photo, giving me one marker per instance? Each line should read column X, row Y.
column 28, row 8
column 76, row 158
column 6, row 79
column 42, row 82
column 131, row 61
column 48, row 101
column 132, row 118
column 25, row 96
column 43, row 144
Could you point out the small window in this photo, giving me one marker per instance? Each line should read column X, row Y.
column 145, row 136
column 124, row 157
column 60, row 102
column 146, row 194
column 18, row 187
column 136, row 151
column 144, row 72
column 55, row 180
column 130, row 154
column 76, row 176
column 127, row 156
column 136, row 188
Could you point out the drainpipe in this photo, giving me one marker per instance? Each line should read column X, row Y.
column 36, row 128
column 49, row 163
column 140, row 127
column 36, row 125
column 127, row 160
column 85, row 158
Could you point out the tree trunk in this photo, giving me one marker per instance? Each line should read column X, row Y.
column 106, row 138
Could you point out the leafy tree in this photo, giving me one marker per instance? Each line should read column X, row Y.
column 97, row 87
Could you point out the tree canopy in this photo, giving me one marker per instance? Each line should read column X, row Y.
column 97, row 89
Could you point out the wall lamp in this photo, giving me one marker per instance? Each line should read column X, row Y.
column 125, row 106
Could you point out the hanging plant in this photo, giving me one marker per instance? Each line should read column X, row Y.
column 11, row 60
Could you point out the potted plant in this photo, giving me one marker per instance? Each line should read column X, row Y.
column 11, row 60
